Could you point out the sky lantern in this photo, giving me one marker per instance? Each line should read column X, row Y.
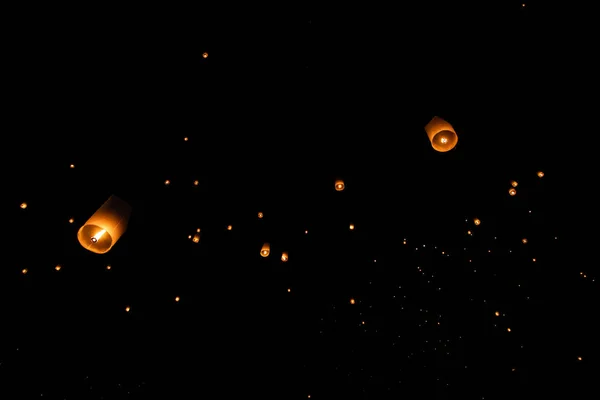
column 265, row 250
column 339, row 185
column 441, row 134
column 104, row 228
column 512, row 191
column 284, row 256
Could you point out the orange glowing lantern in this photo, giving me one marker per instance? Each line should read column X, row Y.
column 339, row 185
column 441, row 134
column 512, row 191
column 514, row 183
column 100, row 233
column 196, row 238
column 205, row 55
column 265, row 250
column 477, row 221
column 260, row 215
column 540, row 174
column 524, row 240
column 284, row 256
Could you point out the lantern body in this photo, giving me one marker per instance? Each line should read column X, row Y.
column 441, row 134
column 339, row 185
column 284, row 256
column 100, row 233
column 265, row 250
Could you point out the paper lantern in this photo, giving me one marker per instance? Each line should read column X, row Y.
column 512, row 191
column 284, row 256
column 265, row 250
column 441, row 134
column 100, row 233
column 339, row 185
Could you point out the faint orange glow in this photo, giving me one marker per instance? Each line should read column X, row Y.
column 108, row 267
column 260, row 214
column 514, row 183
column 196, row 183
column 229, row 227
column 167, row 182
column 352, row 301
column 196, row 238
column 177, row 299
column 185, row 139
column 72, row 166
column 205, row 55
column 524, row 240
column 98, row 235
column 497, row 313
column 127, row 308
column 23, row 205
column 339, row 185
column 58, row 267
column 71, row 220
column 24, row 270
column 351, row 227
column 540, row 174
column 477, row 221
column 284, row 256
column 512, row 191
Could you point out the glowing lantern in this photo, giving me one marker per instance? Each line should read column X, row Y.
column 265, row 250
column 477, row 221
column 512, row 191
column 339, row 185
column 100, row 233
column 524, row 240
column 441, row 134
column 229, row 227
column 205, row 55
column 196, row 238
column 23, row 205
column 514, row 183
column 260, row 215
column 284, row 256
column 540, row 174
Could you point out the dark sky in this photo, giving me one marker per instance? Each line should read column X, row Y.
column 287, row 101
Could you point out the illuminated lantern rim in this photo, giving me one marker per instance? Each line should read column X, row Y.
column 95, row 238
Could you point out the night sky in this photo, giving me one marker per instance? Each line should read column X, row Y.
column 423, row 279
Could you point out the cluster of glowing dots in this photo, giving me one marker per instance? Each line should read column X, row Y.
column 195, row 237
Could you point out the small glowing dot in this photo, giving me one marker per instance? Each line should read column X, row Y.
column 108, row 267
column 579, row 358
column 512, row 191
column 167, row 182
column 260, row 215
column 352, row 301
column 306, row 232
column 524, row 240
column 196, row 183
column 351, row 227
column 58, row 267
column 508, row 329
column 477, row 221
column 497, row 313
column 23, row 205
column 540, row 174
column 229, row 227
column 205, row 55
column 127, row 308
column 514, row 183
column 185, row 139
column 533, row 259
column 198, row 230
column 72, row 166
column 24, row 271
column 177, row 299
column 289, row 290
column 71, row 220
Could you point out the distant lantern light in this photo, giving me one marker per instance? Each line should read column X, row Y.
column 58, row 267
column 196, row 183
column 260, row 214
column 284, row 256
column 265, row 250
column 185, row 139
column 512, row 191
column 441, row 134
column 196, row 238
column 167, row 182
column 351, row 227
column 339, row 185
column 524, row 240
column 229, row 227
column 100, row 233
column 477, row 221
column 23, row 205
column 205, row 55
column 514, row 183
column 540, row 174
